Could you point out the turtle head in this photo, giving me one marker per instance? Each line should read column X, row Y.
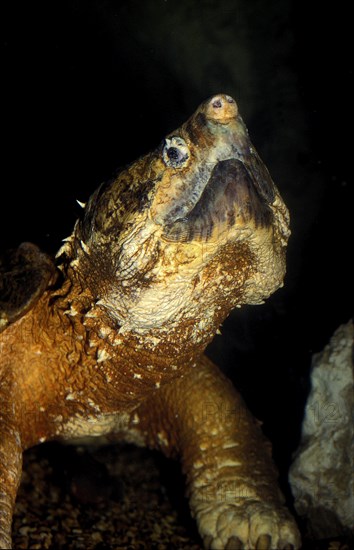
column 187, row 232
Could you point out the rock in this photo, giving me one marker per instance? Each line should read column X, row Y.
column 321, row 475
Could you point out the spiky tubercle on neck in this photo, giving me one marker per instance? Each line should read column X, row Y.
column 139, row 363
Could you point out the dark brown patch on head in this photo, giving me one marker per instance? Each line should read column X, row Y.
column 108, row 208
column 195, row 126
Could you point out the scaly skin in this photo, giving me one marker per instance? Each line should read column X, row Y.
column 114, row 345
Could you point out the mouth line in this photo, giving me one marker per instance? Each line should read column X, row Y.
column 234, row 193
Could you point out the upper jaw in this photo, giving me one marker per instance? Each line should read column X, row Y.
column 220, row 181
column 229, row 198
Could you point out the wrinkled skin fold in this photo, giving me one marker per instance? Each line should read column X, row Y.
column 109, row 342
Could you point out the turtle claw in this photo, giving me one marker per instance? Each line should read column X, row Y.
column 263, row 542
column 234, row 543
column 248, row 525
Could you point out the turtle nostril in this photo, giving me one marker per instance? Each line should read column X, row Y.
column 217, row 104
column 221, row 108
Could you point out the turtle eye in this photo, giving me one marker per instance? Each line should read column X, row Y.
column 175, row 152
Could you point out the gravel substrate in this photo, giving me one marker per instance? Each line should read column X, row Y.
column 116, row 497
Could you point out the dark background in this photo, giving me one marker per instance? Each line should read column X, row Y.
column 88, row 86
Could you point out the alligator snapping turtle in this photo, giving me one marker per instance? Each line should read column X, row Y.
column 110, row 341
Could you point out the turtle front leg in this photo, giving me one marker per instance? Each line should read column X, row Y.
column 231, row 479
column 10, row 464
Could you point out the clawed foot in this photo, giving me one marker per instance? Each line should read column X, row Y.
column 249, row 525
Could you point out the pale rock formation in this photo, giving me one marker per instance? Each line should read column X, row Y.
column 322, row 474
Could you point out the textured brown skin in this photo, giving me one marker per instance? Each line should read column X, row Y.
column 114, row 346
